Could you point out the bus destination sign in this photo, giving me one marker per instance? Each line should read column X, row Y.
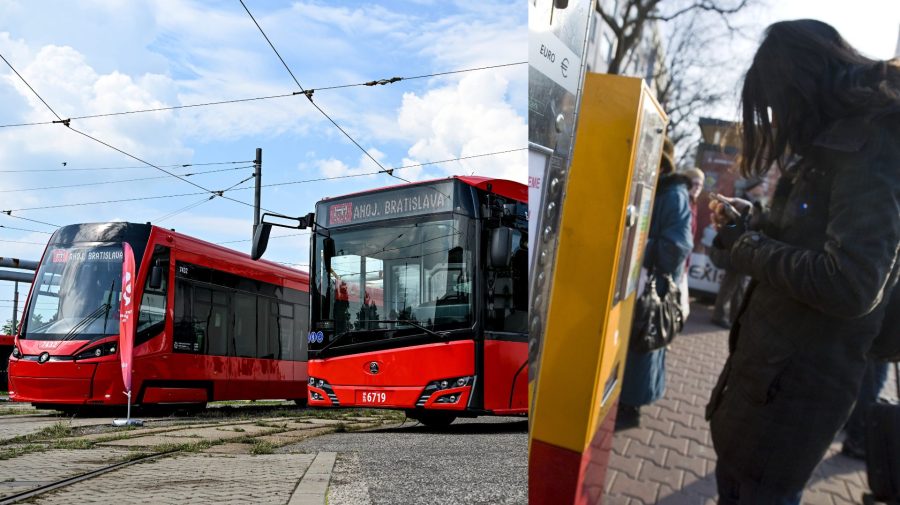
column 412, row 201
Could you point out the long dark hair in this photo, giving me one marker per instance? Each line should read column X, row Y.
column 808, row 76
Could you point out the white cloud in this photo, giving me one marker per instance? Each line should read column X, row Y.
column 332, row 167
column 469, row 118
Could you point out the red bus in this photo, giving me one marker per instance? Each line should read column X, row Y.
column 211, row 324
column 440, row 329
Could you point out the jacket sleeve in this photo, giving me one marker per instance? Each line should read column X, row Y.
column 673, row 243
column 848, row 277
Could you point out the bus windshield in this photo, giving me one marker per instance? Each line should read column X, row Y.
column 395, row 279
column 76, row 294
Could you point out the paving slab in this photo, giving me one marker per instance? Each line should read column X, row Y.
column 192, row 478
column 40, row 468
column 313, row 488
column 186, row 436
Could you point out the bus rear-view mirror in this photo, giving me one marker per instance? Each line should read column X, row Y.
column 260, row 240
column 501, row 247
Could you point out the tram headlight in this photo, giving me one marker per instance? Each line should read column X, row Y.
column 16, row 353
column 101, row 350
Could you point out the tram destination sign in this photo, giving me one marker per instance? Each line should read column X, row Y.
column 401, row 202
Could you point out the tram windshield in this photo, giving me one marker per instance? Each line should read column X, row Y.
column 398, row 278
column 76, row 294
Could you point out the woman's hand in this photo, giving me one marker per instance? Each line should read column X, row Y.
column 727, row 210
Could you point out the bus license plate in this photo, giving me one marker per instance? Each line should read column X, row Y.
column 373, row 397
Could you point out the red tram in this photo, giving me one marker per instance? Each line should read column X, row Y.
column 419, row 297
column 211, row 323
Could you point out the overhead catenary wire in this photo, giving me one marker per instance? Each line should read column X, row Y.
column 102, row 183
column 9, row 214
column 311, row 91
column 29, row 87
column 24, row 229
column 95, row 139
column 234, row 188
column 72, row 169
column 309, row 96
column 199, row 203
column 270, row 238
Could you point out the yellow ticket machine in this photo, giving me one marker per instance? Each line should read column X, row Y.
column 592, row 216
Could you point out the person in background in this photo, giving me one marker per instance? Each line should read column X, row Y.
column 668, row 244
column 822, row 262
column 696, row 177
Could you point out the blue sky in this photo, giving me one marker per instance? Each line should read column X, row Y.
column 103, row 56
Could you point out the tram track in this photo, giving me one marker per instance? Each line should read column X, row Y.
column 34, row 492
column 185, row 445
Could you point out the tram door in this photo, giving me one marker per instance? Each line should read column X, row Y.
column 595, row 146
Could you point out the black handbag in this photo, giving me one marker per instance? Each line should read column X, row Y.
column 657, row 319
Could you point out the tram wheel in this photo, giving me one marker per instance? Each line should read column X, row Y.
column 434, row 419
column 300, row 402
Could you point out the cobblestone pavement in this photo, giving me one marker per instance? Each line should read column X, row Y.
column 40, row 468
column 223, row 460
column 194, row 478
column 669, row 459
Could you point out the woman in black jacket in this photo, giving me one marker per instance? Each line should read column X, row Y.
column 821, row 260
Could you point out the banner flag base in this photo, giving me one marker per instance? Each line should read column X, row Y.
column 128, row 421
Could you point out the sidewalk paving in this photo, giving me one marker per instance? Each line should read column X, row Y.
column 670, row 460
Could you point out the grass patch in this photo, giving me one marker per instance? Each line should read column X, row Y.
column 189, row 447
column 73, row 443
column 15, row 452
column 262, row 447
column 59, row 429
column 239, row 430
column 13, row 412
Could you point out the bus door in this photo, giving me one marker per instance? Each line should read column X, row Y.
column 505, row 351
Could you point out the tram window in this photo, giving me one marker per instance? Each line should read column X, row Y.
column 217, row 330
column 267, row 329
column 286, row 329
column 187, row 336
column 152, row 315
column 507, row 291
column 245, row 325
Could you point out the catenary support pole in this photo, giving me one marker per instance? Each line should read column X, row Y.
column 257, row 172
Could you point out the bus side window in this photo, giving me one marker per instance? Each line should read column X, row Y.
column 152, row 316
column 507, row 290
column 301, row 330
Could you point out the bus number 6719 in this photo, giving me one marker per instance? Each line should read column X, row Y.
column 374, row 397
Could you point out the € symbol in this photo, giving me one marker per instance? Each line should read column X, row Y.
column 565, row 67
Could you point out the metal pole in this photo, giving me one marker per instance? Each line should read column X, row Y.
column 257, row 172
column 15, row 307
